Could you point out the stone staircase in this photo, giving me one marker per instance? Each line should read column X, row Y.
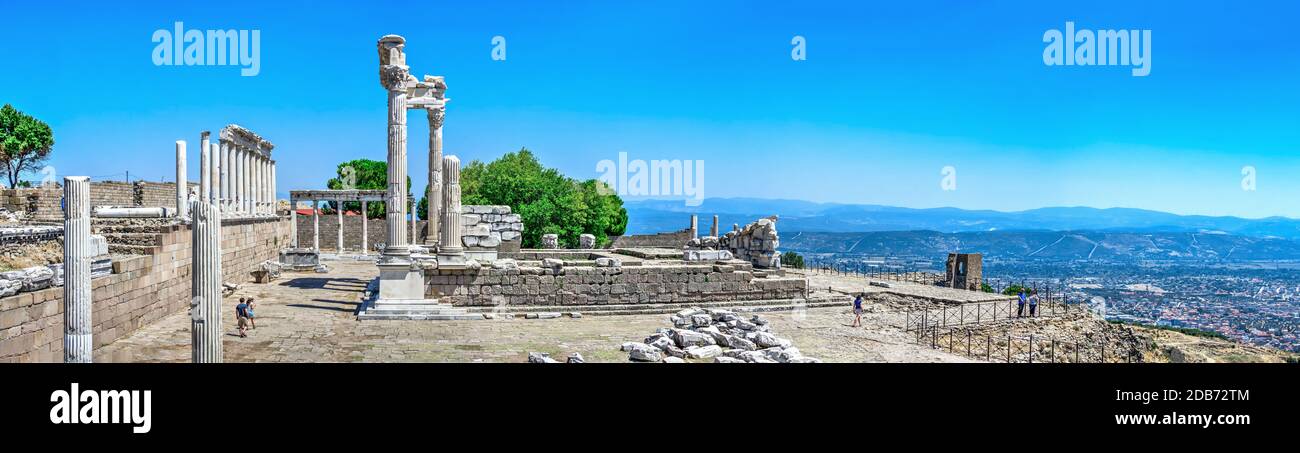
column 428, row 309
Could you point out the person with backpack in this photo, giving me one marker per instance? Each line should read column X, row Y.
column 241, row 314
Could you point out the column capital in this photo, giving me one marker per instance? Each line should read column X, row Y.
column 436, row 116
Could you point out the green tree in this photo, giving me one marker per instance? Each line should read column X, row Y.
column 792, row 260
column 361, row 174
column 25, row 143
column 547, row 201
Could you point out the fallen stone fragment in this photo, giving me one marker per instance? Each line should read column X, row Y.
column 673, row 360
column 703, row 352
column 723, row 359
column 687, row 338
column 576, row 358
column 540, row 357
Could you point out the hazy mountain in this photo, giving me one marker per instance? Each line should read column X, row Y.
column 1048, row 245
column 647, row 216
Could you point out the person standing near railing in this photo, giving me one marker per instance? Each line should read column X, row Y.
column 1020, row 304
column 1033, row 304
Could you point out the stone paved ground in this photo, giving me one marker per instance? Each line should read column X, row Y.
column 307, row 317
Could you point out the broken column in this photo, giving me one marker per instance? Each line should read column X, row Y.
column 205, row 287
column 214, row 180
column 315, row 225
column 695, row 226
column 205, row 161
column 182, row 188
column 449, row 244
column 365, row 228
column 714, row 230
column 293, row 221
column 77, row 328
column 338, row 209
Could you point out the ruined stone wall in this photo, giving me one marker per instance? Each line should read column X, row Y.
column 141, row 290
column 42, row 204
column 490, row 227
column 578, row 285
column 673, row 240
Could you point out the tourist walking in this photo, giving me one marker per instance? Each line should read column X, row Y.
column 1020, row 306
column 241, row 315
column 857, row 311
column 252, row 319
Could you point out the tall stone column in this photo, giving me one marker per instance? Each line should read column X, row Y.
column 224, row 197
column 205, row 164
column 205, row 287
column 713, row 231
column 410, row 207
column 449, row 244
column 237, row 185
column 257, row 184
column 246, row 161
column 77, row 328
column 214, row 197
column 275, row 197
column 315, row 225
column 394, row 78
column 365, row 229
column 338, row 208
column 695, row 226
column 434, row 196
column 182, row 186
column 293, row 221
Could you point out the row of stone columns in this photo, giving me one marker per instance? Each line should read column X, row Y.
column 239, row 180
column 315, row 209
column 248, row 181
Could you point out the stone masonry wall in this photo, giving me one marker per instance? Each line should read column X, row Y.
column 578, row 285
column 673, row 240
column 141, row 290
column 42, row 203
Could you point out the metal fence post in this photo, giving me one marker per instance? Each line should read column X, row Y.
column 1031, row 348
column 988, row 348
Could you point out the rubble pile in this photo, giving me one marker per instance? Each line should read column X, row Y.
column 721, row 335
column 756, row 243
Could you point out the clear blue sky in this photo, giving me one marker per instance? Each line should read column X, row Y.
column 891, row 92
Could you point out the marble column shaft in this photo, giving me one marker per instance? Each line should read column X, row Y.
column 396, row 196
column 78, row 343
column 338, row 208
column 449, row 243
column 205, row 163
column 214, row 184
column 434, row 209
column 205, row 287
column 182, row 185
column 315, row 225
column 365, row 228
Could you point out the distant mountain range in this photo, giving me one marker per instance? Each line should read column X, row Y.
column 650, row 216
column 1047, row 245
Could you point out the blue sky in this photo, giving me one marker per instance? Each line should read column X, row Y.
column 890, row 93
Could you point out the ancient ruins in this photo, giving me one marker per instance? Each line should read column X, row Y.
column 97, row 262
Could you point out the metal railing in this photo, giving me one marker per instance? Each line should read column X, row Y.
column 1023, row 348
column 976, row 313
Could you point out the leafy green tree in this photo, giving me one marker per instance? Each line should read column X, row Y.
column 547, row 201
column 792, row 260
column 1016, row 289
column 362, row 174
column 25, row 143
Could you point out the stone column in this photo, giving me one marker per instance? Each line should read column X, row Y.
column 395, row 77
column 77, row 328
column 338, row 207
column 365, row 229
column 714, row 230
column 224, row 198
column 293, row 220
column 214, row 197
column 205, row 287
column 274, row 197
column 182, row 186
column 449, row 243
column 205, row 167
column 257, row 184
column 410, row 207
column 434, row 195
column 246, row 162
column 695, row 226
column 237, row 185
column 315, row 225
